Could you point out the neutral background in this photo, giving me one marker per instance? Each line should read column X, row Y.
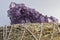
column 46, row 7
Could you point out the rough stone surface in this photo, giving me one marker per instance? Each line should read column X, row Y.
column 20, row 13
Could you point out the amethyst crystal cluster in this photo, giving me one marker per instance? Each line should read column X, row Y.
column 19, row 13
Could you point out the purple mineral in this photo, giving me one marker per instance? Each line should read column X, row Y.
column 19, row 13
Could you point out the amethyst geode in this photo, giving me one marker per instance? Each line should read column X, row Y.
column 19, row 13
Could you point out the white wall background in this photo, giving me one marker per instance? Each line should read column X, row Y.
column 46, row 7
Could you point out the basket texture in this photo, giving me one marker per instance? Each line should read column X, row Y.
column 31, row 31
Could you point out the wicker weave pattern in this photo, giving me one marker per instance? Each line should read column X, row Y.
column 31, row 31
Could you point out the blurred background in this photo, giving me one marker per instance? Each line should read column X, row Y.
column 46, row 7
